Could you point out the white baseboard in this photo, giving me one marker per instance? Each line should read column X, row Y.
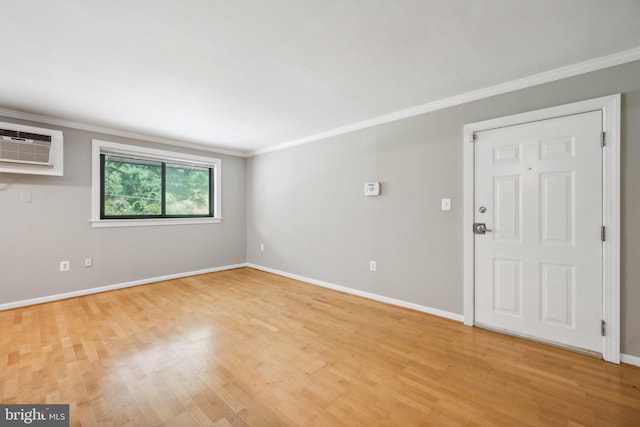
column 375, row 297
column 624, row 358
column 630, row 360
column 56, row 297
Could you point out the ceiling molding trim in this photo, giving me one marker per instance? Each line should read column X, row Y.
column 499, row 89
column 115, row 132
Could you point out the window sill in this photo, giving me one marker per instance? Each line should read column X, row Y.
column 103, row 223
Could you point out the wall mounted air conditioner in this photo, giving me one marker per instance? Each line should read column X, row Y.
column 30, row 150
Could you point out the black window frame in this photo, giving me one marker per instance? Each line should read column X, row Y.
column 164, row 163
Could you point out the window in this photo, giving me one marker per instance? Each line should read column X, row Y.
column 140, row 186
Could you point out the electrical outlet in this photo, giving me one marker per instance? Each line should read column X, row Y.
column 262, row 247
column 373, row 265
column 65, row 266
column 88, row 262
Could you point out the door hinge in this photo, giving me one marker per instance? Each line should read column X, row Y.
column 602, row 143
column 473, row 137
column 602, row 235
column 603, row 328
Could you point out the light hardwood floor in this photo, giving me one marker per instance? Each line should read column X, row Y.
column 244, row 347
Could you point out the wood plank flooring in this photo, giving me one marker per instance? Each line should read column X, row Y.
column 248, row 348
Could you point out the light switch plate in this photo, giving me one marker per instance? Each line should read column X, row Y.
column 25, row 197
column 446, row 204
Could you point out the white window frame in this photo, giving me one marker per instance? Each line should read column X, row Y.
column 101, row 147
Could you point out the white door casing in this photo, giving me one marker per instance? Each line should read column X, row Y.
column 535, row 296
column 538, row 188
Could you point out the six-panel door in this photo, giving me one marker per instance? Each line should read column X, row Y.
column 538, row 272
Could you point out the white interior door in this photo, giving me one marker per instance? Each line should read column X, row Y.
column 538, row 188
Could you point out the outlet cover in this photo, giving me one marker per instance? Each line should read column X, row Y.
column 371, row 189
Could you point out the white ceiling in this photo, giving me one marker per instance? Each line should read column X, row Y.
column 250, row 74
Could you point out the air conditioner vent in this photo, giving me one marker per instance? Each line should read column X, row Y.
column 30, row 150
column 24, row 135
column 25, row 150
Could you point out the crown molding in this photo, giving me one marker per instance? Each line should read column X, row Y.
column 14, row 114
column 499, row 89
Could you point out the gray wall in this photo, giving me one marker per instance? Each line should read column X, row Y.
column 306, row 203
column 35, row 237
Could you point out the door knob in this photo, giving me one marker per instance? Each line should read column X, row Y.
column 480, row 228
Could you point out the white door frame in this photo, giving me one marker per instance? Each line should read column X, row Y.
column 610, row 107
